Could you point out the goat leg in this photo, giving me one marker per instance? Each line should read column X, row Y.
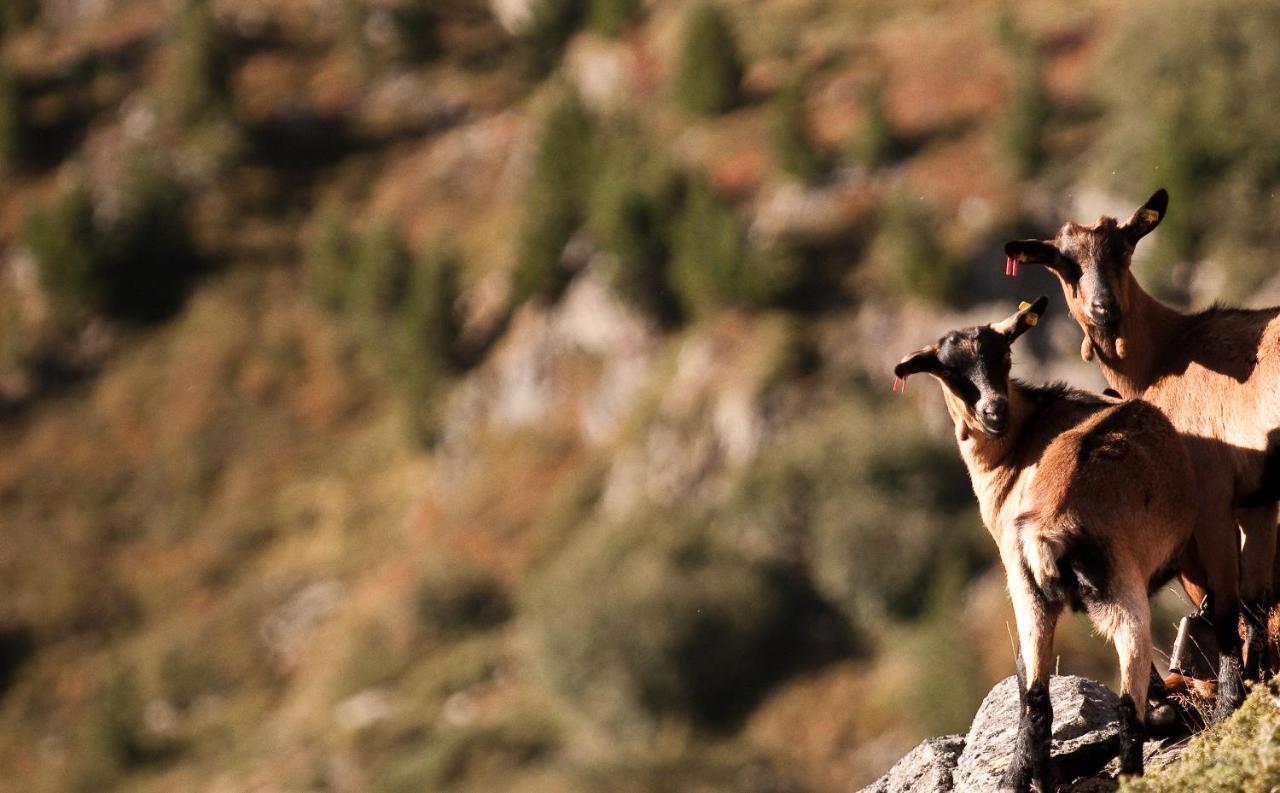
column 1255, row 635
column 1162, row 711
column 1031, row 753
column 1036, row 617
column 1132, row 639
column 1226, row 624
column 1132, row 735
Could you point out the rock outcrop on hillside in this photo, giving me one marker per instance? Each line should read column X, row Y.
column 1085, row 740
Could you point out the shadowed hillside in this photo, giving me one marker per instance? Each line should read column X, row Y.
column 415, row 395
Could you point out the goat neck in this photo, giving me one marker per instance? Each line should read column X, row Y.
column 1146, row 331
column 991, row 461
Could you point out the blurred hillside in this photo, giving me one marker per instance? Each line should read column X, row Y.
column 423, row 395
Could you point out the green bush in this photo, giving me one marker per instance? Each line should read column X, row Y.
column 709, row 75
column 368, row 274
column 331, row 258
column 426, row 331
column 875, row 142
column 909, row 257
column 18, row 15
column 451, row 601
column 380, row 272
column 202, row 82
column 874, row 522
column 374, row 658
column 138, row 266
column 936, row 704
column 712, row 265
column 653, row 617
column 709, row 251
column 611, row 17
column 1026, row 109
column 553, row 202
column 113, row 738
column 405, row 309
column 631, row 213
column 442, row 762
column 148, row 259
column 428, row 314
column 416, row 25
column 13, row 132
column 352, row 17
column 115, row 720
column 186, row 674
column 793, row 147
column 554, row 23
column 1182, row 111
column 61, row 238
column 411, row 32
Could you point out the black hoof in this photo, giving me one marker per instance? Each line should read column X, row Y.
column 1132, row 735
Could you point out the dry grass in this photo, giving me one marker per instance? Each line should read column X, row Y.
column 234, row 507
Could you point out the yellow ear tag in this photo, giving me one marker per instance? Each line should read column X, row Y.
column 1149, row 215
column 1032, row 319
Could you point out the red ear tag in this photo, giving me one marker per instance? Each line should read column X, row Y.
column 1011, row 266
column 899, row 385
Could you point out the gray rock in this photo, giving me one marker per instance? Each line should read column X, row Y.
column 1091, row 785
column 925, row 769
column 1085, row 741
column 1085, row 732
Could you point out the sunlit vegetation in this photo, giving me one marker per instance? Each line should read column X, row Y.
column 709, row 76
column 426, row 395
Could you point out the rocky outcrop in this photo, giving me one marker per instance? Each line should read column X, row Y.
column 928, row 768
column 1085, row 740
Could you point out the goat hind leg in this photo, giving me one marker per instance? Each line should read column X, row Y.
column 1226, row 624
column 1036, row 620
column 1257, row 557
column 1132, row 636
column 1219, row 550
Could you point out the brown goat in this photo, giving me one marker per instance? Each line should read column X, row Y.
column 1214, row 374
column 1089, row 500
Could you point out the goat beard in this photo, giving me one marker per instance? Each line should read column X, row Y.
column 1108, row 341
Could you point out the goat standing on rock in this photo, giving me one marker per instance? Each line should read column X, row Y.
column 1214, row 374
column 1089, row 499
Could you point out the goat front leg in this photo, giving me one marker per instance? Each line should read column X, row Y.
column 1257, row 555
column 1036, row 619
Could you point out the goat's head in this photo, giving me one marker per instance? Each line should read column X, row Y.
column 1092, row 262
column 973, row 367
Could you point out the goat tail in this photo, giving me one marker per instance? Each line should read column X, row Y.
column 1043, row 543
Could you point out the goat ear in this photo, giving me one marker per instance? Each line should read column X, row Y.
column 1147, row 217
column 1027, row 316
column 925, row 360
column 1031, row 252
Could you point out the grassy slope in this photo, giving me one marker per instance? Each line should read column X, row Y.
column 1241, row 754
column 228, row 533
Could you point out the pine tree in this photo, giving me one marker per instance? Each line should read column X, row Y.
column 793, row 147
column 710, row 71
column 875, row 142
column 554, row 199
